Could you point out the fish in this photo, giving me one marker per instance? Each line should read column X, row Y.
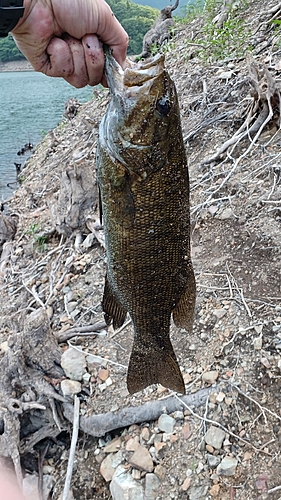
column 144, row 189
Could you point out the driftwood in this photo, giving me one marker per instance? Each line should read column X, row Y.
column 99, row 425
column 160, row 31
column 78, row 198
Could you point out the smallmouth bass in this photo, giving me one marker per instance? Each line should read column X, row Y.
column 144, row 186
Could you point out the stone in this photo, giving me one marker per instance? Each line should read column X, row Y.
column 219, row 313
column 213, row 461
column 215, row 490
column 198, row 492
column 70, row 387
column 30, row 486
column 73, row 363
column 145, row 434
column 133, row 444
column 103, row 374
column 141, row 459
column 186, row 432
column 151, row 486
column 124, row 487
column 227, row 213
column 178, row 415
column 160, row 471
column 215, row 437
column 113, row 446
column 227, row 467
column 186, row 484
column 166, row 423
column 106, row 468
column 210, row 377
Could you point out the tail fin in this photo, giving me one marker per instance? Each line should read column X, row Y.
column 149, row 364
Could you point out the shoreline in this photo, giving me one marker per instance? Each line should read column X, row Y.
column 20, row 65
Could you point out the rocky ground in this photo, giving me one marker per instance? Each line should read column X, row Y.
column 223, row 441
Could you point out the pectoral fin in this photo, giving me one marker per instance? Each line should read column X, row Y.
column 184, row 311
column 113, row 310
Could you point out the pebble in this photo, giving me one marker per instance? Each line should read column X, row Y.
column 210, row 377
column 123, row 486
column 166, row 423
column 227, row 467
column 103, row 374
column 113, row 446
column 151, row 486
column 145, row 434
column 214, row 437
column 160, row 471
column 141, row 459
column 178, row 415
column 73, row 363
column 106, row 468
column 219, row 313
column 70, row 387
column 213, row 461
column 186, row 432
column 257, row 343
column 227, row 213
column 186, row 484
column 133, row 444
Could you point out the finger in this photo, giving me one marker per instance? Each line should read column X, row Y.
column 60, row 62
column 94, row 57
column 79, row 78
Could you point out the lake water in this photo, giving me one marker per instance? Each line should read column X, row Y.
column 30, row 105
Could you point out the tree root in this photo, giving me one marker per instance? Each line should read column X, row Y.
column 265, row 98
column 32, row 358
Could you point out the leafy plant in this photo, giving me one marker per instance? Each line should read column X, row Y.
column 219, row 42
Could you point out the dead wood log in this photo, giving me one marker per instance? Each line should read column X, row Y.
column 99, row 425
column 160, row 31
column 78, row 197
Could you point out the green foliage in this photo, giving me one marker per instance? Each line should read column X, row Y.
column 136, row 20
column 9, row 50
column 190, row 11
column 230, row 40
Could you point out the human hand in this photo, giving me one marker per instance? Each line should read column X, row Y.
column 64, row 38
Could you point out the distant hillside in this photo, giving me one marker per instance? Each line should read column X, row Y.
column 160, row 4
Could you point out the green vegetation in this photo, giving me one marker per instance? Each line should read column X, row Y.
column 9, row 50
column 228, row 39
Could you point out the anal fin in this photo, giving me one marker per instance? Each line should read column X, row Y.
column 113, row 310
column 184, row 311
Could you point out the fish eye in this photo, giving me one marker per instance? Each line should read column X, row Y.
column 163, row 106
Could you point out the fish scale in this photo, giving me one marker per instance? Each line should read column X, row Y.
column 143, row 178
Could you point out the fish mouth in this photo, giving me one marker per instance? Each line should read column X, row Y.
column 136, row 78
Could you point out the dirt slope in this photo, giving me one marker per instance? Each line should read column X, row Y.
column 236, row 213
